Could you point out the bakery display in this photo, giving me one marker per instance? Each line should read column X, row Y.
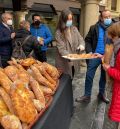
column 26, row 91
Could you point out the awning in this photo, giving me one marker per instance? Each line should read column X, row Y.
column 14, row 5
column 6, row 5
column 43, row 8
column 75, row 11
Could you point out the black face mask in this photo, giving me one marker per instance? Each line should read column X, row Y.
column 37, row 23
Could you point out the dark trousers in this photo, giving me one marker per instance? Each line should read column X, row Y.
column 42, row 56
column 91, row 69
column 3, row 61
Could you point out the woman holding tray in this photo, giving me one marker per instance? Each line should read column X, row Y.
column 68, row 41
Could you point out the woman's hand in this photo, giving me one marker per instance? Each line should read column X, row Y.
column 81, row 48
column 106, row 66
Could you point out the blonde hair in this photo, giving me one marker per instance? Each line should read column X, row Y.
column 114, row 30
column 24, row 24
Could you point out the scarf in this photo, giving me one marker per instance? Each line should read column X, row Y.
column 115, row 51
column 105, row 28
column 103, row 25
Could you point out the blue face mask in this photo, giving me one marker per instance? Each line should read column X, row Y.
column 107, row 22
column 69, row 23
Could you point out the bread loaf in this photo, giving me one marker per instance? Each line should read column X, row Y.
column 40, row 78
column 37, row 91
column 11, row 122
column 22, row 102
column 11, row 72
column 3, row 108
column 7, row 100
column 5, row 82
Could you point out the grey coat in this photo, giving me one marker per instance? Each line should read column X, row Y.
column 68, row 46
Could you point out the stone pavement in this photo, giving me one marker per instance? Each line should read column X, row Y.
column 87, row 116
column 85, row 113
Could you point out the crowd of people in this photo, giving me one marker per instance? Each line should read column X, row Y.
column 28, row 40
column 35, row 38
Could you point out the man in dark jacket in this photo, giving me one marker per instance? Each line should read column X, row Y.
column 43, row 34
column 6, row 36
column 95, row 43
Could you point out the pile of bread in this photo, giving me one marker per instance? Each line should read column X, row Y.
column 23, row 87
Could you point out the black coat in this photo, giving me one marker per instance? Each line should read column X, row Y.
column 5, row 40
column 31, row 43
column 91, row 39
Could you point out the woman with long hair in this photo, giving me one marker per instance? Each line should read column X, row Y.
column 68, row 41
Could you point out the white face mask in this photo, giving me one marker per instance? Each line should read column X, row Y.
column 9, row 22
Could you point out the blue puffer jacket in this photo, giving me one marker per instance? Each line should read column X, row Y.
column 5, row 40
column 43, row 32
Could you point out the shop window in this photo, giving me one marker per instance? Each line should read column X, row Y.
column 114, row 5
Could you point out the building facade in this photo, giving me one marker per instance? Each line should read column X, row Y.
column 113, row 5
column 86, row 12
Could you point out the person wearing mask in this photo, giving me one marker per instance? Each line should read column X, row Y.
column 29, row 43
column 43, row 34
column 6, row 36
column 95, row 43
column 68, row 41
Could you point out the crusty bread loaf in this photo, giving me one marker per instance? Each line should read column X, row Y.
column 45, row 74
column 37, row 91
column 3, row 108
column 5, row 82
column 37, row 105
column 46, row 90
column 32, row 95
column 11, row 72
column 51, row 70
column 24, row 125
column 7, row 100
column 40, row 78
column 22, row 102
column 11, row 122
column 27, row 62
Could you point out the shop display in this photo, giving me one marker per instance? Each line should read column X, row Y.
column 26, row 91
